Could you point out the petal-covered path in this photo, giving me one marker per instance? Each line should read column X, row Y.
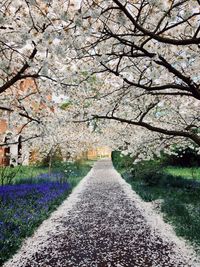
column 102, row 224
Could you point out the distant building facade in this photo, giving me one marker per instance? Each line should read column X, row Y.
column 99, row 152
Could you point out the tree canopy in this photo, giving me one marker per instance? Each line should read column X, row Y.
column 128, row 69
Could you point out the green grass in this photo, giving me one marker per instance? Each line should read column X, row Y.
column 79, row 171
column 30, row 171
column 188, row 173
column 20, row 173
column 180, row 206
column 26, row 174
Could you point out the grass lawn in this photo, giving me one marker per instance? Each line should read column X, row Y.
column 19, row 173
column 38, row 174
column 188, row 173
column 30, row 171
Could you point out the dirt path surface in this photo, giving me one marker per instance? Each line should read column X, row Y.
column 104, row 224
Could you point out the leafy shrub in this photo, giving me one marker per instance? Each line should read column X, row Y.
column 121, row 161
column 152, row 178
column 187, row 157
column 127, row 175
column 149, row 172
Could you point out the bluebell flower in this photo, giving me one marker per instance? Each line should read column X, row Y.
column 24, row 205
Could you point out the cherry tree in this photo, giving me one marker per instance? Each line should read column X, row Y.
column 34, row 44
column 34, row 47
column 146, row 55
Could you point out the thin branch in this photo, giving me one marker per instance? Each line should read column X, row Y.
column 16, row 142
column 29, row 117
column 154, row 35
column 19, row 75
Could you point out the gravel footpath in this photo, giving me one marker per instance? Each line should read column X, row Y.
column 104, row 223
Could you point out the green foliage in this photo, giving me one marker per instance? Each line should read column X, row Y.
column 120, row 161
column 13, row 175
column 149, row 172
column 186, row 157
column 54, row 158
column 7, row 175
column 66, row 105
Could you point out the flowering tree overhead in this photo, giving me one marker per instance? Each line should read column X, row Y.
column 33, row 34
column 134, row 62
column 34, row 38
column 148, row 53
